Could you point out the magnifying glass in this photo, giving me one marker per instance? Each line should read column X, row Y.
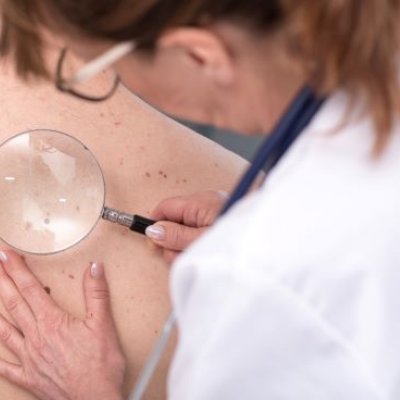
column 52, row 193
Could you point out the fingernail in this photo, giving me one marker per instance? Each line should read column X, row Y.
column 3, row 257
column 156, row 232
column 96, row 270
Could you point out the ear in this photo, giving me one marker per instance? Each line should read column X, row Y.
column 205, row 49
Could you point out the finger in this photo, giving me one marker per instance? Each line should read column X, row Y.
column 15, row 304
column 27, row 284
column 171, row 209
column 199, row 209
column 172, row 236
column 12, row 372
column 11, row 337
column 97, row 294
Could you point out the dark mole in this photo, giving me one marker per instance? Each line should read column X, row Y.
column 70, row 276
column 78, row 208
column 117, row 123
column 216, row 164
column 148, row 174
column 86, row 148
column 47, row 221
column 101, row 114
column 185, row 181
column 47, row 289
column 156, row 332
column 160, row 172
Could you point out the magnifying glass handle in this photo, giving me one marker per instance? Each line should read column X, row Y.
column 135, row 223
column 140, row 224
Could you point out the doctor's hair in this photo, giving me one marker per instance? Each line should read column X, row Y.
column 342, row 44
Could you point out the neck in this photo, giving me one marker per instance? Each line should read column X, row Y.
column 267, row 81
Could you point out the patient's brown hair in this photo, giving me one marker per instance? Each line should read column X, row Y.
column 349, row 44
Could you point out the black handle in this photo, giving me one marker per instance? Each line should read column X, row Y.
column 140, row 224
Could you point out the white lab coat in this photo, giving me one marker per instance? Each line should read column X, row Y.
column 295, row 294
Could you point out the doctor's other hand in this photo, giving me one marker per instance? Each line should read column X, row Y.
column 183, row 219
column 60, row 357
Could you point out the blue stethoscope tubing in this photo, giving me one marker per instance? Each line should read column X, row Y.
column 299, row 114
column 297, row 117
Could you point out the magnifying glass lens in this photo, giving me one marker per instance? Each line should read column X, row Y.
column 51, row 191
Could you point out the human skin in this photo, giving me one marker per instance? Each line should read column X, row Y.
column 224, row 75
column 145, row 158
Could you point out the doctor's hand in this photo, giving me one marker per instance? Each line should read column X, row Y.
column 60, row 357
column 183, row 219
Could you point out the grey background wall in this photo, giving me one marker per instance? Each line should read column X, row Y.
column 245, row 146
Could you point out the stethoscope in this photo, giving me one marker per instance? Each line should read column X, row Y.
column 299, row 114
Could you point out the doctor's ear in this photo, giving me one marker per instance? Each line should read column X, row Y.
column 204, row 49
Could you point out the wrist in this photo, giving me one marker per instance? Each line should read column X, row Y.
column 105, row 394
column 112, row 394
column 117, row 396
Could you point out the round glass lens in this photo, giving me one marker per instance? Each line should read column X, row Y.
column 51, row 191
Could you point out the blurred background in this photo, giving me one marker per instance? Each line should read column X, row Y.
column 245, row 146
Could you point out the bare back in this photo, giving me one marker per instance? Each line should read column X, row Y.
column 145, row 158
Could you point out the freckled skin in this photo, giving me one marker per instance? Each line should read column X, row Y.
column 137, row 274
